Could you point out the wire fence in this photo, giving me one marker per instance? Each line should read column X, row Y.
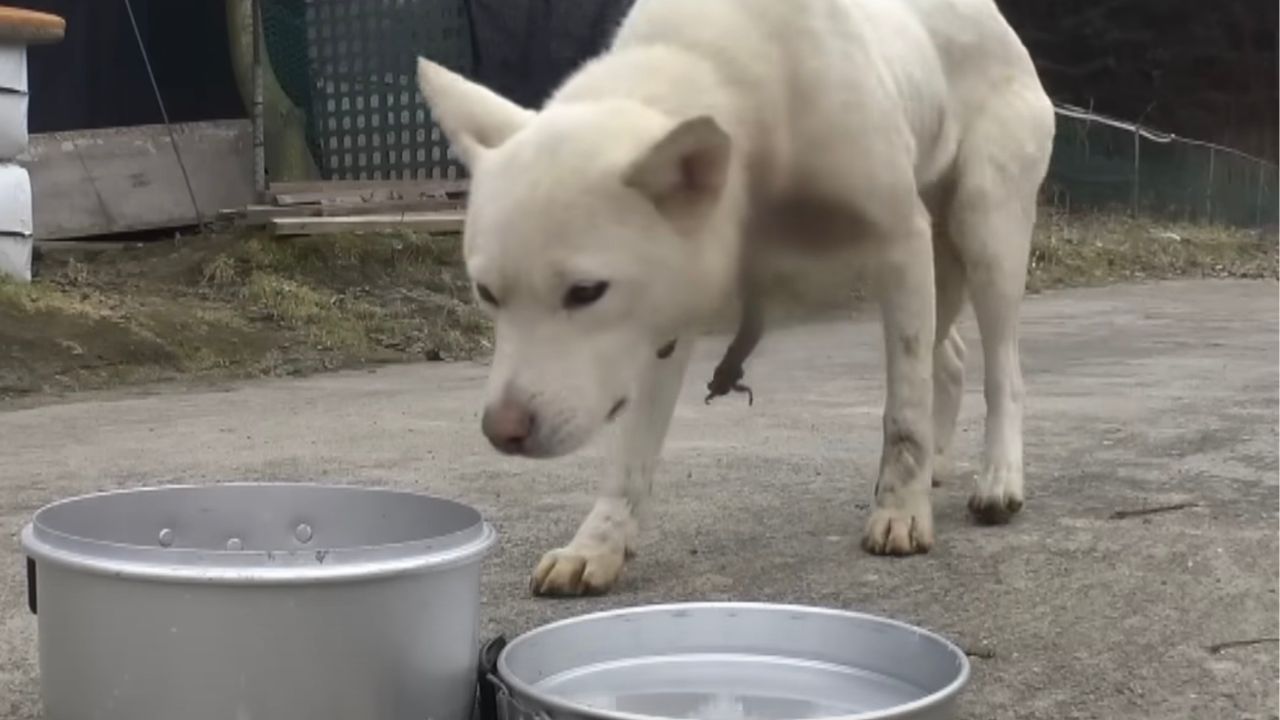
column 348, row 65
column 1101, row 163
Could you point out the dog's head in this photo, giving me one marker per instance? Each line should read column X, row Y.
column 594, row 238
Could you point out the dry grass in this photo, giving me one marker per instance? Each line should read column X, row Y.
column 235, row 305
column 1066, row 251
column 1097, row 249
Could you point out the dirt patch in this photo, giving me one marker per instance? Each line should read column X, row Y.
column 231, row 305
column 228, row 305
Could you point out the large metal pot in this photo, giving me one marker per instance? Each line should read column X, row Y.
column 257, row 602
column 723, row 661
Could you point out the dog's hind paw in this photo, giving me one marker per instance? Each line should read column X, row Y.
column 998, row 496
column 997, row 510
column 574, row 572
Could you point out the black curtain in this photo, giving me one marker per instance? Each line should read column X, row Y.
column 96, row 78
column 525, row 48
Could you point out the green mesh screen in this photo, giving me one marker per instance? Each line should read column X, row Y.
column 1101, row 164
column 349, row 64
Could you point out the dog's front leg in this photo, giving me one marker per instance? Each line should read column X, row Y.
column 592, row 562
column 902, row 521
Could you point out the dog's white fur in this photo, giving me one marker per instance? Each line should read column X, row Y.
column 918, row 127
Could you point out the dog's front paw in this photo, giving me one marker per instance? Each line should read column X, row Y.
column 899, row 531
column 575, row 571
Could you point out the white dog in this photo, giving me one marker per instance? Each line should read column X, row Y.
column 606, row 228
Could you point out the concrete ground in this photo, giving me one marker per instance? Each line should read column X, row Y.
column 1139, row 396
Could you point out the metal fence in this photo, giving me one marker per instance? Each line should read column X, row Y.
column 349, row 65
column 1100, row 163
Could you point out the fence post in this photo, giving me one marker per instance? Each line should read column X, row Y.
column 1137, row 151
column 1257, row 203
column 259, row 121
column 1208, row 191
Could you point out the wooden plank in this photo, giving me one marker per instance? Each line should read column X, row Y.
column 386, row 206
column 384, row 189
column 356, row 196
column 52, row 247
column 94, row 182
column 318, row 185
column 439, row 222
column 258, row 215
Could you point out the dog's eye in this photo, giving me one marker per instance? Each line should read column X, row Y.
column 584, row 294
column 486, row 295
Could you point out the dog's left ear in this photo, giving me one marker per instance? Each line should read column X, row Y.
column 686, row 169
column 473, row 117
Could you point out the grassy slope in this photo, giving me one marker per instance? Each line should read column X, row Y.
column 235, row 306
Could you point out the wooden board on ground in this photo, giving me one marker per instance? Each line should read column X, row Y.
column 96, row 182
column 53, row 247
column 443, row 186
column 363, row 191
column 355, row 197
column 432, row 222
column 259, row 215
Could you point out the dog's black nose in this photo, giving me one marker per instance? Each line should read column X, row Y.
column 508, row 425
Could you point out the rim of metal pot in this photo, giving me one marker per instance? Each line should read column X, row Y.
column 521, row 690
column 255, row 567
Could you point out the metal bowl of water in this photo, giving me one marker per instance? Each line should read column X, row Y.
column 729, row 661
column 257, row 601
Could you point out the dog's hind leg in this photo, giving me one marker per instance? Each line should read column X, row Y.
column 948, row 354
column 998, row 240
column 991, row 221
column 593, row 561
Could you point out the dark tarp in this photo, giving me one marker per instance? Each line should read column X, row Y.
column 95, row 77
column 525, row 48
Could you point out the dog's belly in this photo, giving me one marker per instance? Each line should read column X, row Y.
column 805, row 224
column 805, row 254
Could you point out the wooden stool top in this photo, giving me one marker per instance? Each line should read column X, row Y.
column 28, row 27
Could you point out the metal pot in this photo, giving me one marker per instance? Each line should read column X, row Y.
column 723, row 661
column 257, row 602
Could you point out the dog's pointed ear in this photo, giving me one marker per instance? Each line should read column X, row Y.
column 686, row 168
column 473, row 118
